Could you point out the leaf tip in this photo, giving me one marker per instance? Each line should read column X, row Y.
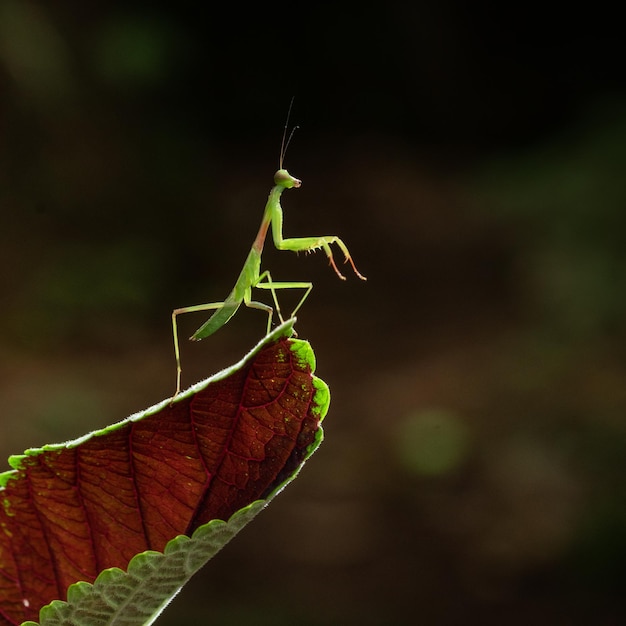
column 303, row 353
column 321, row 398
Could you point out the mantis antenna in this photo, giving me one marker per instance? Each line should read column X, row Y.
column 283, row 145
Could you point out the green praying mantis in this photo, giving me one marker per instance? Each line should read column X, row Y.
column 251, row 275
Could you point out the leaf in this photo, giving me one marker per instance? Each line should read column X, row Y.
column 148, row 494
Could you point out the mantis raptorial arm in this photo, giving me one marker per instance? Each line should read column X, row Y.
column 307, row 244
column 310, row 244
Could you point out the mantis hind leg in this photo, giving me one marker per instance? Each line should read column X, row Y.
column 228, row 307
column 189, row 309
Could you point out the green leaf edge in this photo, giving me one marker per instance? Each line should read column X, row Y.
column 284, row 330
column 196, row 550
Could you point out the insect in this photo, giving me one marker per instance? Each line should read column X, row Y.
column 251, row 275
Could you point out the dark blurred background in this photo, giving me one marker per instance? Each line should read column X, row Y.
column 472, row 157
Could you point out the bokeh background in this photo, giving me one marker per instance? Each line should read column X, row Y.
column 472, row 157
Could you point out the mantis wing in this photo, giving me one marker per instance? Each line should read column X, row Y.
column 217, row 320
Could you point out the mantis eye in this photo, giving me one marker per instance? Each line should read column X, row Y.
column 286, row 180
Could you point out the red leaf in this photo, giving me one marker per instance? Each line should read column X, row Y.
column 71, row 511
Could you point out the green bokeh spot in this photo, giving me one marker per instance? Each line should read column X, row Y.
column 432, row 442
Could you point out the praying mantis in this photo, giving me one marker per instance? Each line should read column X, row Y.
column 251, row 275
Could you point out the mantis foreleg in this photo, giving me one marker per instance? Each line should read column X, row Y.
column 309, row 244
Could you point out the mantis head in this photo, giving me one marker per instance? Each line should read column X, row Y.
column 284, row 179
